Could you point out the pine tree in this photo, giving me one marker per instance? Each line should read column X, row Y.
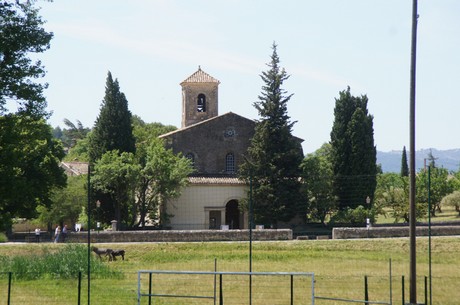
column 404, row 166
column 274, row 155
column 353, row 151
column 113, row 129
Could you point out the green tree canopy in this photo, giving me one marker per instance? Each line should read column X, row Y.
column 440, row 186
column 392, row 195
column 317, row 175
column 147, row 144
column 274, row 155
column 452, row 200
column 29, row 156
column 161, row 178
column 73, row 133
column 22, row 33
column 353, row 152
column 29, row 166
column 113, row 128
column 404, row 166
column 113, row 131
column 67, row 202
column 116, row 174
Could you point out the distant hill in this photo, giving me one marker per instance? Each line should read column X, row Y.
column 391, row 161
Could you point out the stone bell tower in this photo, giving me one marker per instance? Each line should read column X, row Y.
column 199, row 98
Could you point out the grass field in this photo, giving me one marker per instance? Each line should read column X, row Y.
column 339, row 267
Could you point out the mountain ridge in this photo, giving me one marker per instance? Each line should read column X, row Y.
column 448, row 158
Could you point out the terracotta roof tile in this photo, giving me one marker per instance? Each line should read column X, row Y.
column 215, row 180
column 200, row 77
column 75, row 168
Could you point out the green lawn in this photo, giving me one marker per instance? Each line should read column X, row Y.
column 447, row 214
column 339, row 267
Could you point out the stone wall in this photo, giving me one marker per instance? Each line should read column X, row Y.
column 179, row 236
column 383, row 232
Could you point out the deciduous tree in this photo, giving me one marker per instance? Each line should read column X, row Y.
column 29, row 166
column 67, row 202
column 440, row 186
column 116, row 174
column 22, row 34
column 317, row 176
column 161, row 178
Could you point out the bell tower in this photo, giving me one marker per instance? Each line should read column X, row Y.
column 199, row 98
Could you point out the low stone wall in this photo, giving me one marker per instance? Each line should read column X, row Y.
column 179, row 236
column 383, row 232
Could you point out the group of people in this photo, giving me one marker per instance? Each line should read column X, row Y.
column 60, row 235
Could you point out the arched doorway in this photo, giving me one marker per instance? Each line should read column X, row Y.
column 232, row 214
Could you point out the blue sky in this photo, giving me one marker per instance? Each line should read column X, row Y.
column 150, row 46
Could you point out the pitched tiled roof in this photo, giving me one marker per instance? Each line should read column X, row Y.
column 200, row 77
column 75, row 168
column 202, row 122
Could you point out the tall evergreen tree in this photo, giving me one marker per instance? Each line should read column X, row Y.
column 113, row 129
column 353, row 152
column 404, row 166
column 274, row 156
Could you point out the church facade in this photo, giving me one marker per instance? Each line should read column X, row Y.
column 216, row 145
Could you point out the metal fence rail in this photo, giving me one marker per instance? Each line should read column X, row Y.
column 201, row 287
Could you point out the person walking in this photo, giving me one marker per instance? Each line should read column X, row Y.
column 64, row 233
column 37, row 235
column 57, row 234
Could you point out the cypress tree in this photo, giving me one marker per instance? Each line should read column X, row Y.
column 353, row 152
column 275, row 155
column 113, row 129
column 404, row 166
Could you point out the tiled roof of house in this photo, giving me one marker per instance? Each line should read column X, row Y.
column 75, row 168
column 215, row 180
column 200, row 77
column 202, row 122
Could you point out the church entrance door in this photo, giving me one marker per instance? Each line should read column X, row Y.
column 232, row 214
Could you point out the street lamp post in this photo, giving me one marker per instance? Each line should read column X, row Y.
column 368, row 203
column 89, row 234
column 98, row 223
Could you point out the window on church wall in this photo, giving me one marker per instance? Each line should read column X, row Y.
column 230, row 163
column 201, row 103
column 191, row 157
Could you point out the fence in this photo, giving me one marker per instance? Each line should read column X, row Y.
column 195, row 287
column 177, row 287
column 19, row 289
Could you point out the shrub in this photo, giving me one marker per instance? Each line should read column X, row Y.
column 65, row 263
column 3, row 238
column 354, row 217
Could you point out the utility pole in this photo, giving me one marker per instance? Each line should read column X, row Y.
column 412, row 216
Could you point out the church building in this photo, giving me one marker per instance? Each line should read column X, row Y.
column 216, row 145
